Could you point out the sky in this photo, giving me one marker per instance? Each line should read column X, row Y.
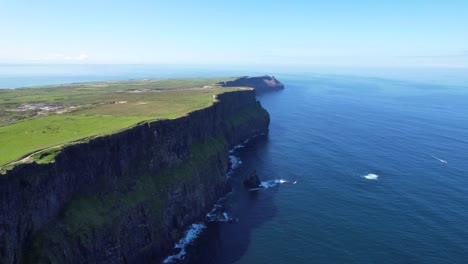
column 398, row 33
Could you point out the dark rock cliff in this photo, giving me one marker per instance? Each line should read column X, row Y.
column 261, row 84
column 128, row 196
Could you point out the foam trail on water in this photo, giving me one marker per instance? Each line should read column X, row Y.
column 441, row 160
column 191, row 234
column 271, row 183
column 371, row 176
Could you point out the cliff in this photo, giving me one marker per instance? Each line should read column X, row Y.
column 125, row 197
column 261, row 84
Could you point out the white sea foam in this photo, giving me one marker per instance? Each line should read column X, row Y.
column 371, row 176
column 245, row 143
column 191, row 234
column 236, row 148
column 217, row 214
column 212, row 215
column 229, row 174
column 235, row 161
column 252, row 137
column 272, row 183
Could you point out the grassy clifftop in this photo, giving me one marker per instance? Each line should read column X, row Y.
column 33, row 119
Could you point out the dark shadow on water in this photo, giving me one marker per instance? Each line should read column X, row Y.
column 223, row 242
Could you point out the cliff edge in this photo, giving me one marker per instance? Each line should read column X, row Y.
column 125, row 197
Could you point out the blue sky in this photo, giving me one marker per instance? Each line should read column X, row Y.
column 317, row 33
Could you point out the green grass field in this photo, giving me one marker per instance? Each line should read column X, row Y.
column 33, row 119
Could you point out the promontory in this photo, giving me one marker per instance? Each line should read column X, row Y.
column 113, row 172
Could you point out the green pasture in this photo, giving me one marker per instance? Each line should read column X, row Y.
column 92, row 109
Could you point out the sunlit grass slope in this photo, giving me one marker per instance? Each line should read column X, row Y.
column 33, row 119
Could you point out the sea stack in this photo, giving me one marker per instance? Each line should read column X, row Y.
column 252, row 182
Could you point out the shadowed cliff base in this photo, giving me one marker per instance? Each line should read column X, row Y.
column 224, row 242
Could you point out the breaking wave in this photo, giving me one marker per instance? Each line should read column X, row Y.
column 191, row 234
column 235, row 162
column 272, row 183
column 371, row 176
column 218, row 213
column 236, row 148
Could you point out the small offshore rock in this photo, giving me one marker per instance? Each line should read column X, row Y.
column 253, row 181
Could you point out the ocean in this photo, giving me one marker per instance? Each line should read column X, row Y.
column 374, row 171
column 357, row 169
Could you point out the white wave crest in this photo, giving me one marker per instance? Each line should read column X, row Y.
column 371, row 176
column 217, row 215
column 214, row 214
column 236, row 148
column 191, row 234
column 235, row 161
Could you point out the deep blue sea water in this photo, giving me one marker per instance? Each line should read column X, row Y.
column 328, row 133
column 367, row 158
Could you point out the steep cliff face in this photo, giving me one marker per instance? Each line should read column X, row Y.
column 261, row 84
column 124, row 197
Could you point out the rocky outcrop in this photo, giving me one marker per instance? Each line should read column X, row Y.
column 125, row 197
column 261, row 84
column 252, row 182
